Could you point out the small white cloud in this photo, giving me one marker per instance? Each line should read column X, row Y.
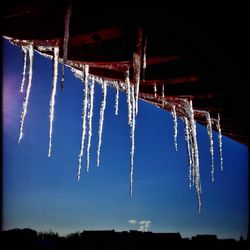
column 132, row 221
column 147, row 225
column 144, row 225
column 144, row 222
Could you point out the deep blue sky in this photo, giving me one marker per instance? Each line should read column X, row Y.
column 42, row 193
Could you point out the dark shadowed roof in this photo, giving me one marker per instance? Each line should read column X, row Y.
column 196, row 52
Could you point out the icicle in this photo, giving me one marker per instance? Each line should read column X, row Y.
column 127, row 81
column 117, row 99
column 193, row 160
column 163, row 91
column 90, row 115
column 163, row 95
column 25, row 53
column 210, row 135
column 26, row 100
column 187, row 138
column 66, row 39
column 84, row 115
column 132, row 137
column 137, row 68
column 144, row 58
column 53, row 96
column 195, row 152
column 155, row 90
column 102, row 110
column 220, row 142
column 175, row 126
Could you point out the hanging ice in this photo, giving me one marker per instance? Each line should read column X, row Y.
column 163, row 95
column 26, row 100
column 155, row 90
column 53, row 96
column 195, row 152
column 220, row 142
column 144, row 64
column 175, row 126
column 117, row 99
column 84, row 115
column 25, row 53
column 127, row 81
column 132, row 98
column 187, row 138
column 210, row 134
column 193, row 161
column 132, row 137
column 66, row 39
column 163, row 91
column 90, row 115
column 137, row 69
column 102, row 110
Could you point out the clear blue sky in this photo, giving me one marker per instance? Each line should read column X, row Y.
column 42, row 193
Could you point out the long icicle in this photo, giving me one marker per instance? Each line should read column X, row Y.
column 117, row 99
column 196, row 156
column 102, row 110
column 66, row 38
column 187, row 138
column 127, row 81
column 25, row 55
column 137, row 67
column 175, row 126
column 192, row 157
column 132, row 137
column 90, row 115
column 210, row 135
column 220, row 142
column 84, row 115
column 137, row 70
column 53, row 96
column 26, row 100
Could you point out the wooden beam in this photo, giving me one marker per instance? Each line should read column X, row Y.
column 162, row 59
column 177, row 80
column 87, row 38
column 97, row 36
column 123, row 65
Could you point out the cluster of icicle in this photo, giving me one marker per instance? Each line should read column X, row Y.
column 182, row 106
column 87, row 108
column 87, row 113
column 187, row 113
column 28, row 51
column 177, row 106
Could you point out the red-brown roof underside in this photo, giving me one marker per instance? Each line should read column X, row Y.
column 198, row 54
